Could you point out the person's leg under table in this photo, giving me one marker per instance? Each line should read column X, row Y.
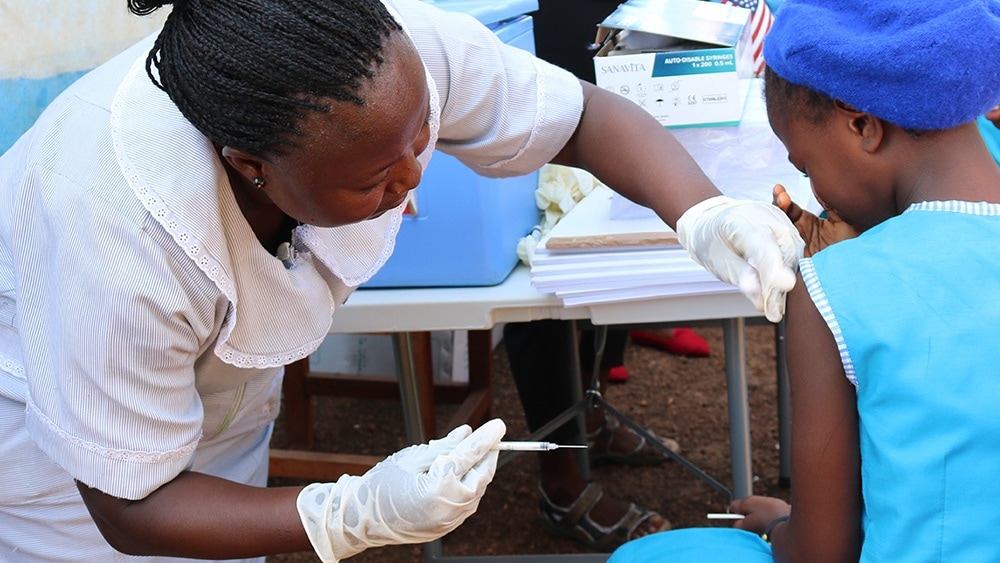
column 544, row 362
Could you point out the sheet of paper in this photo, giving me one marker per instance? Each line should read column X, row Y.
column 597, row 259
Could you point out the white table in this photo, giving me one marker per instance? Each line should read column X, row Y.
column 403, row 311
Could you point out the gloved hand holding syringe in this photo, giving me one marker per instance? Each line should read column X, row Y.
column 416, row 495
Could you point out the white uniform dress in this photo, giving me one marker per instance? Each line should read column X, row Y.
column 143, row 328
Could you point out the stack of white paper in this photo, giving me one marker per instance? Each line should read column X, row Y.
column 588, row 257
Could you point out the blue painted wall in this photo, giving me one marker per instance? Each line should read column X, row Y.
column 47, row 44
column 25, row 98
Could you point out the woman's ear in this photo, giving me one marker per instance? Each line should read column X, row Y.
column 246, row 164
column 866, row 127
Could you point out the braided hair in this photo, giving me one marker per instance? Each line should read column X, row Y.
column 785, row 98
column 246, row 72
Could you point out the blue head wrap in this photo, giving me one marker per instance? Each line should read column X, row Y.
column 921, row 64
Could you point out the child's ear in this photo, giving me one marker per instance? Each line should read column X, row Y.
column 865, row 126
column 994, row 116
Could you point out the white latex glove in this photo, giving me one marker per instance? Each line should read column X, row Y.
column 747, row 243
column 416, row 495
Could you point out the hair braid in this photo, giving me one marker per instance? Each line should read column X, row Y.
column 246, row 72
column 785, row 98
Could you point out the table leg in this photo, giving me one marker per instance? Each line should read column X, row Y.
column 733, row 333
column 409, row 392
column 582, row 456
column 409, row 395
column 784, row 409
column 297, row 405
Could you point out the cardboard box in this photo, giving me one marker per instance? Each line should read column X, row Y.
column 687, row 62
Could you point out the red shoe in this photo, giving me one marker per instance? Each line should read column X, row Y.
column 618, row 374
column 682, row 341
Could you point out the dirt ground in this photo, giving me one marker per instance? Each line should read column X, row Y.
column 684, row 398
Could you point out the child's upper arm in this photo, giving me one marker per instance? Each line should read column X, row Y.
column 826, row 481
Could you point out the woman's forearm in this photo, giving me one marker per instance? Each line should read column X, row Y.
column 201, row 516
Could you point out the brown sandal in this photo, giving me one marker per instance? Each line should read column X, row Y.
column 575, row 523
column 600, row 442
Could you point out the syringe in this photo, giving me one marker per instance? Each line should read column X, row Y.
column 532, row 446
column 725, row 516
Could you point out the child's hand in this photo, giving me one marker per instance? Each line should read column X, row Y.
column 817, row 233
column 759, row 512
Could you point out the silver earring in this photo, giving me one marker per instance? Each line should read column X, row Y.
column 258, row 182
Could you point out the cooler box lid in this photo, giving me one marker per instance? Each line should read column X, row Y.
column 488, row 12
column 695, row 20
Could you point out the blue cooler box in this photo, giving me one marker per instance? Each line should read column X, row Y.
column 466, row 229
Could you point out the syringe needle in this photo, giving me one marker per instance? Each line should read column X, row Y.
column 725, row 516
column 532, row 446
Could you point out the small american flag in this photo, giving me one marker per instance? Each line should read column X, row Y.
column 760, row 24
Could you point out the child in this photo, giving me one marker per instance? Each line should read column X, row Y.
column 892, row 363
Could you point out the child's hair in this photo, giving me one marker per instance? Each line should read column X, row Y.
column 923, row 66
column 245, row 72
column 786, row 99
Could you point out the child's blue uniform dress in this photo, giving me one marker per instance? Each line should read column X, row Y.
column 914, row 305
